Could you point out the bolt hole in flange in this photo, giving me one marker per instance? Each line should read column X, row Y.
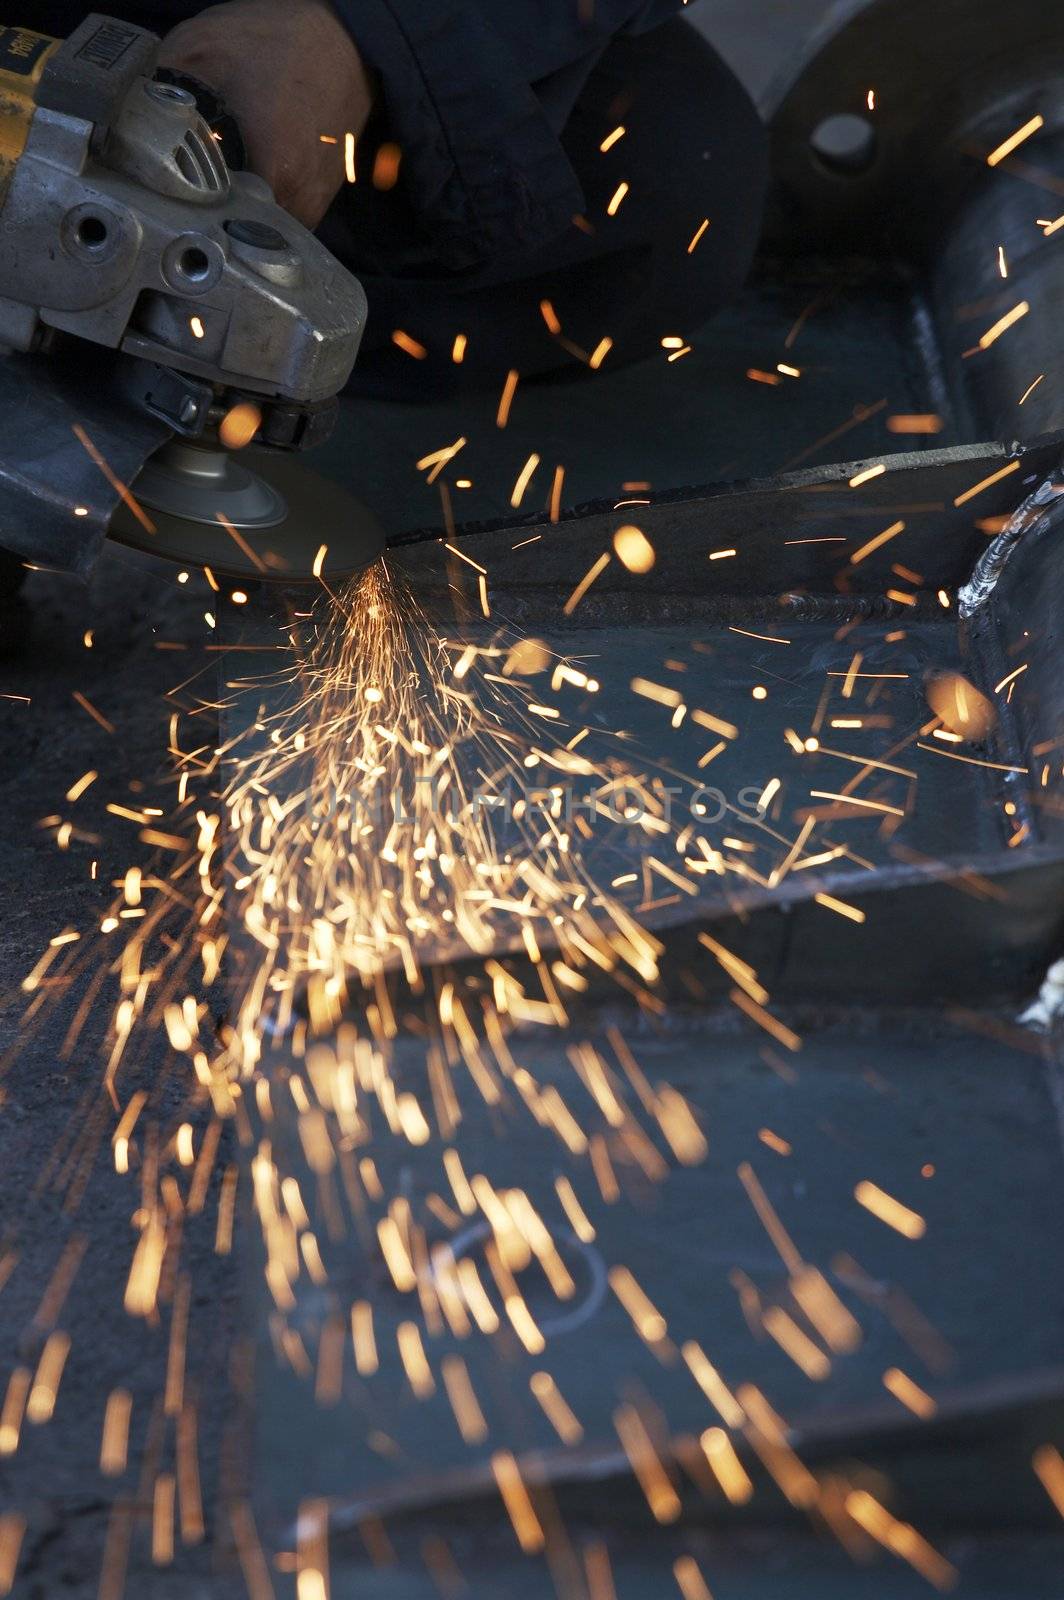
column 845, row 144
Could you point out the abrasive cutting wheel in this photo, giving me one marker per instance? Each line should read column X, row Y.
column 257, row 516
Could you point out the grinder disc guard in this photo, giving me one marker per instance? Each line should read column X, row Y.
column 260, row 517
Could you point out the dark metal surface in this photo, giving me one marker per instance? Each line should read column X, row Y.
column 777, row 526
column 47, row 476
column 985, row 1432
column 1015, row 623
column 949, row 84
column 936, row 73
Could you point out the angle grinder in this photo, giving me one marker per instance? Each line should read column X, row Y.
column 171, row 337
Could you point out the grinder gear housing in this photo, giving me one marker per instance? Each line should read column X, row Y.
column 146, row 292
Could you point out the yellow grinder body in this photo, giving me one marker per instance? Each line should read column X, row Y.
column 23, row 55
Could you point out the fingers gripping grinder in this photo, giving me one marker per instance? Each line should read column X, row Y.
column 157, row 314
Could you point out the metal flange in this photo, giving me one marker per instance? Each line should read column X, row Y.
column 887, row 140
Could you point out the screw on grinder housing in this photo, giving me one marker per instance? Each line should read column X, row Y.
column 146, row 292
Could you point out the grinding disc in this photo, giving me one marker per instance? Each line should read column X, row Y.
column 262, row 516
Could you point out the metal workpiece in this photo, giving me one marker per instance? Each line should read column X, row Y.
column 56, row 503
column 976, row 863
column 982, row 1425
column 960, row 910
column 892, row 136
column 793, row 536
column 995, row 278
column 1013, row 616
column 947, row 84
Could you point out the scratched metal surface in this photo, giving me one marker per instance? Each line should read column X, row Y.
column 856, row 1102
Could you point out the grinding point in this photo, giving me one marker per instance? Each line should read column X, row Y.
column 263, row 517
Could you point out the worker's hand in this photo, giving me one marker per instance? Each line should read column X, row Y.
column 289, row 72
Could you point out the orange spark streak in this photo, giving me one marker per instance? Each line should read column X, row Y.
column 1014, row 140
column 874, row 544
column 94, row 455
column 697, row 240
column 585, row 583
column 884, row 1206
column 97, row 716
column 1003, row 324
column 506, row 401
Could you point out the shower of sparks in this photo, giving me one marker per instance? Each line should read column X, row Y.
column 12, row 1531
column 909, row 1393
column 506, row 399
column 585, row 584
column 341, row 943
column 116, row 483
column 877, row 542
column 335, row 854
column 633, row 549
column 240, row 425
column 599, row 354
column 524, row 478
column 334, row 904
column 901, row 1538
column 986, row 483
column 386, row 167
column 1048, row 1464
